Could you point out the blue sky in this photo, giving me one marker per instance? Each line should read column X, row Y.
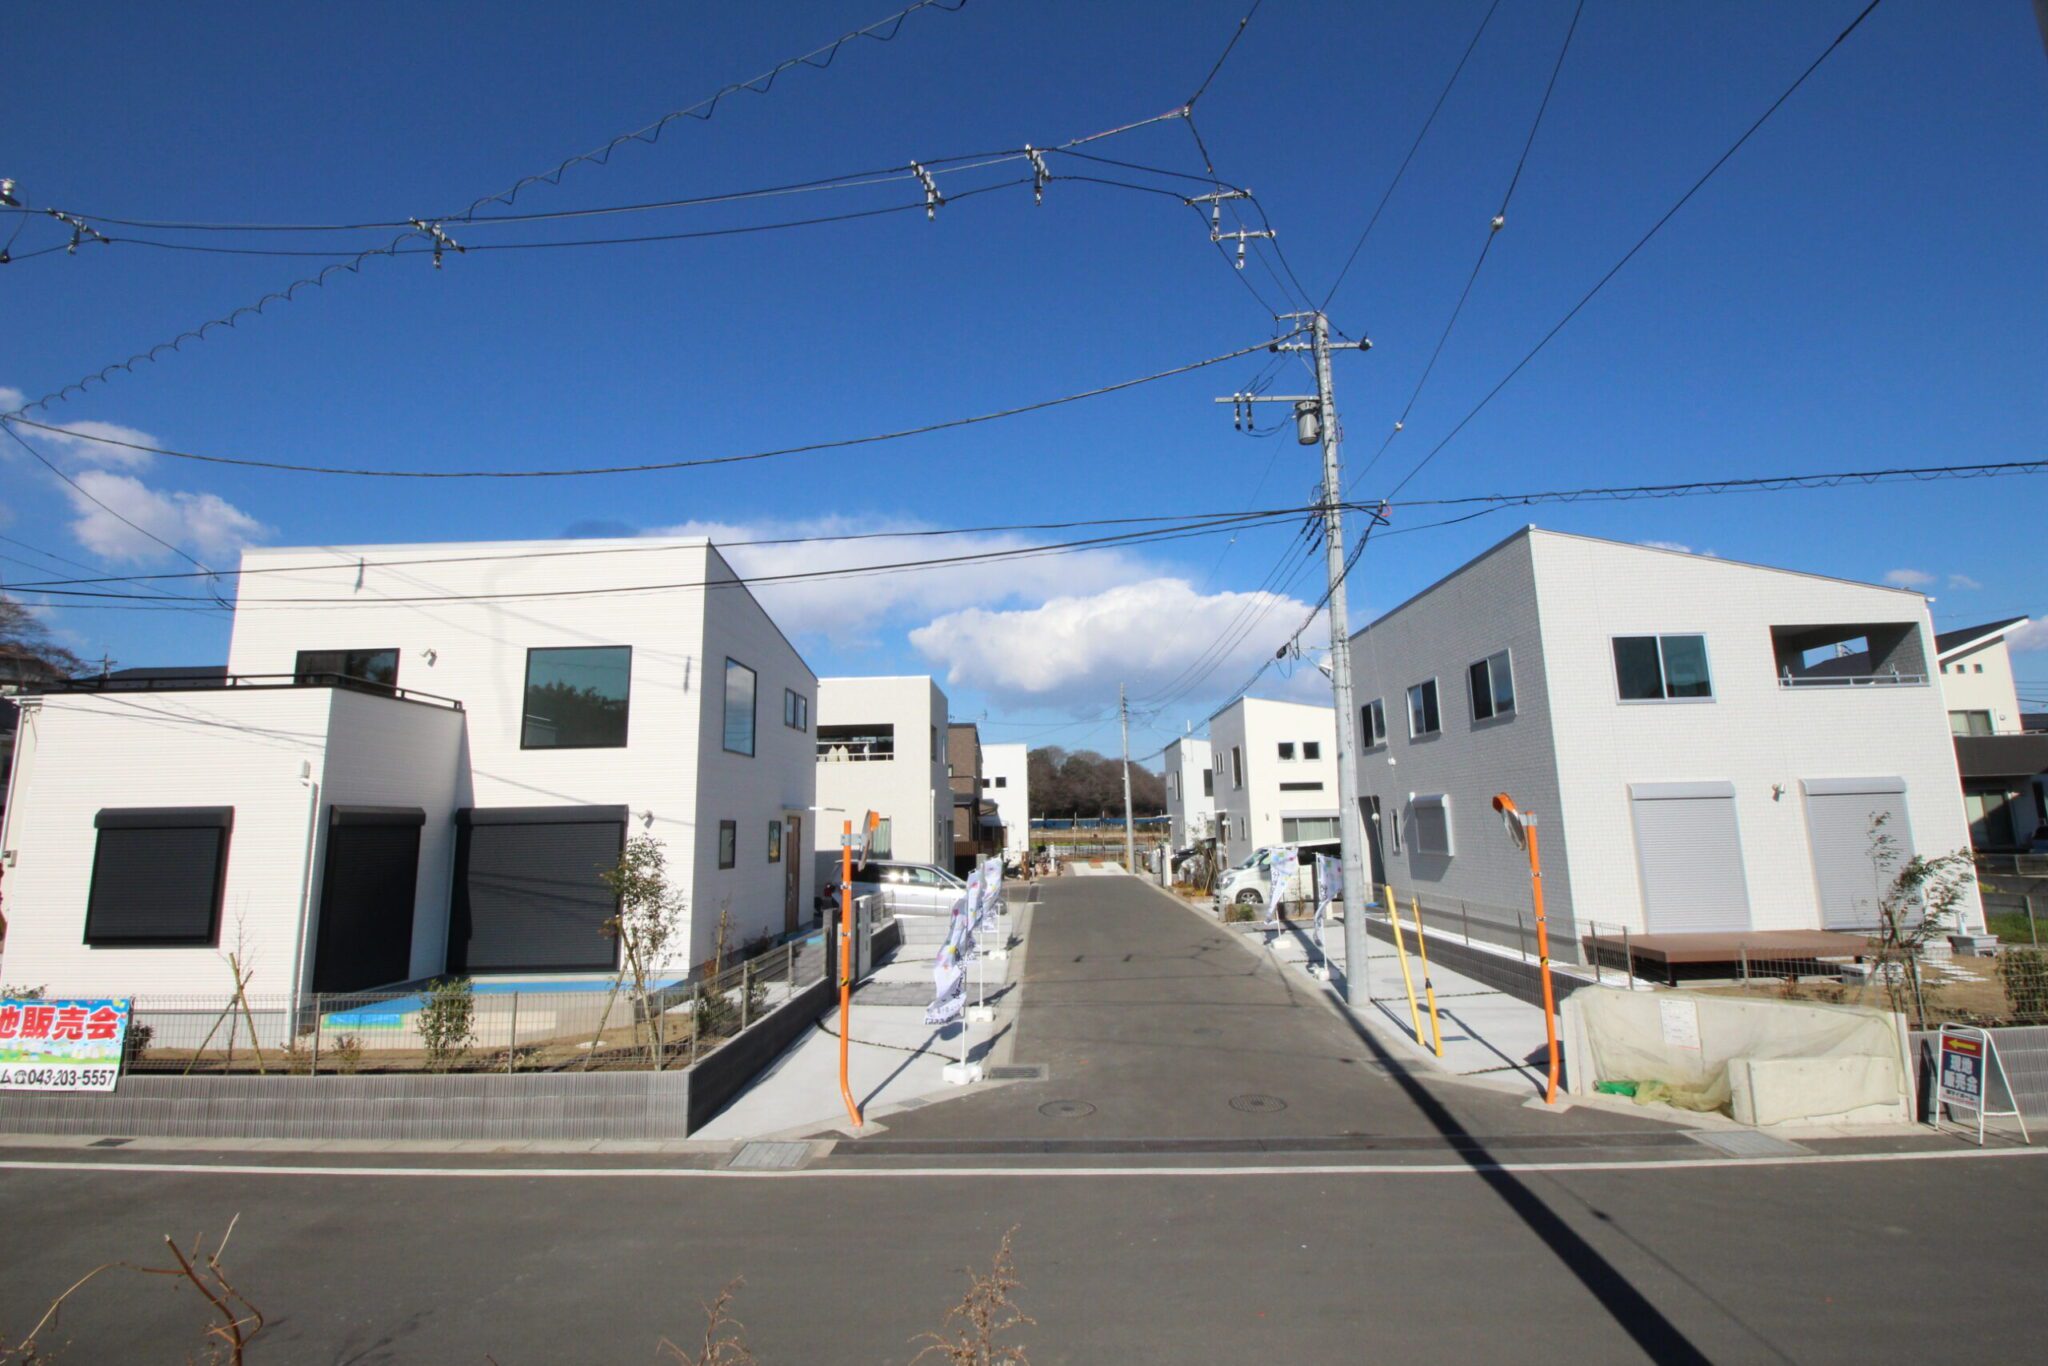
column 1865, row 285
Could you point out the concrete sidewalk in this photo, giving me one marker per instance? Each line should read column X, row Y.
column 895, row 1061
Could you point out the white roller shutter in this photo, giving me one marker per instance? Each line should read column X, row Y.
column 1839, row 814
column 1690, row 857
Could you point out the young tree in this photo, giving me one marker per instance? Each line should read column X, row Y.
column 1919, row 900
column 646, row 928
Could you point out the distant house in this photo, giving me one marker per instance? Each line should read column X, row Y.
column 1190, row 791
column 1006, row 786
column 417, row 760
column 1276, row 774
column 1707, row 745
column 977, row 829
column 2001, row 753
column 880, row 749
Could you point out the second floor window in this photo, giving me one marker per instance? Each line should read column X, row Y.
column 1424, row 716
column 1311, row 749
column 739, row 708
column 796, row 710
column 1661, row 668
column 1236, row 767
column 577, row 698
column 1493, row 687
column 371, row 666
column 1287, row 749
column 1208, row 782
column 1372, row 724
column 1969, row 723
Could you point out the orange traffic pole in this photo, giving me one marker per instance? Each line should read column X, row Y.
column 1506, row 806
column 846, row 966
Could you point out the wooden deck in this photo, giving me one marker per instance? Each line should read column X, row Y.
column 1724, row 954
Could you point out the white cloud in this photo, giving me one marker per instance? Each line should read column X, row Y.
column 1908, row 578
column 848, row 608
column 1962, row 581
column 81, row 441
column 1076, row 648
column 2032, row 636
column 204, row 523
column 1667, row 545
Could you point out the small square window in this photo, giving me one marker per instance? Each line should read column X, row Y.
column 1311, row 749
column 1287, row 749
column 728, row 843
column 577, row 698
column 1003, row 781
column 1979, row 668
column 775, row 841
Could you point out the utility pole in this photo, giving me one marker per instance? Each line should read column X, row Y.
column 1123, row 713
column 1316, row 420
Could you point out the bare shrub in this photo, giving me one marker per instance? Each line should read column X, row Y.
column 725, row 1337
column 973, row 1328
column 231, row 1322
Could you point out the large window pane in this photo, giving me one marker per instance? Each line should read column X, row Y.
column 739, row 708
column 1636, row 670
column 1481, row 690
column 577, row 698
column 1503, row 675
column 1685, row 667
column 1423, row 715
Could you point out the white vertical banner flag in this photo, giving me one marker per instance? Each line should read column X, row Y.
column 1282, row 866
column 991, row 874
column 1329, row 892
column 949, row 970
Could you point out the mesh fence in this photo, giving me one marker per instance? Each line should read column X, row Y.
column 471, row 1027
column 1933, row 987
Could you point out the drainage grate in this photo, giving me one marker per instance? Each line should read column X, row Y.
column 767, row 1156
column 1258, row 1105
column 109, row 1142
column 1066, row 1109
column 1746, row 1143
column 1017, row 1071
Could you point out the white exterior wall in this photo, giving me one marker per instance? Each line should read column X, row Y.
column 680, row 639
column 910, row 791
column 1191, row 814
column 1257, row 726
column 1486, row 607
column 1754, row 734
column 1011, row 764
column 1994, row 690
column 82, row 753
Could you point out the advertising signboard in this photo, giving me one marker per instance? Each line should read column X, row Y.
column 71, row 1045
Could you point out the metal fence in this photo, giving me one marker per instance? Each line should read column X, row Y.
column 1936, row 987
column 470, row 1026
column 1482, row 922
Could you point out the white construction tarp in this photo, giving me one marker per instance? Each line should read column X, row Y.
column 1764, row 1061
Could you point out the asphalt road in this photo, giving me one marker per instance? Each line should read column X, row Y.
column 1433, row 1225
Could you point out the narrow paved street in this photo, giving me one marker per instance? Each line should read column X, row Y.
column 1377, row 1217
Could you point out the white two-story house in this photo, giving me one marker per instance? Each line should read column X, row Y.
column 419, row 761
column 1190, row 791
column 1696, row 755
column 1276, row 775
column 1006, row 782
column 881, row 747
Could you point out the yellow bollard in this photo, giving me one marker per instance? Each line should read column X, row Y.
column 1422, row 948
column 1401, row 952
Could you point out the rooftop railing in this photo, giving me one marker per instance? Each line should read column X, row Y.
column 246, row 682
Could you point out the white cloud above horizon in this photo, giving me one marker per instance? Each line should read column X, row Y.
column 1909, row 578
column 105, row 487
column 1074, row 649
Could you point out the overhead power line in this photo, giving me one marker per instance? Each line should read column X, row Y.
column 1214, row 526
column 1641, row 242
column 1769, row 483
column 8, row 420
column 882, row 30
column 1413, row 148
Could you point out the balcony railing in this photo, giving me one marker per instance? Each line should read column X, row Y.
column 1890, row 680
column 840, row 752
column 245, row 682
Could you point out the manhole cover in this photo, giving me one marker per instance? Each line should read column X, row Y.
column 1066, row 1109
column 1258, row 1105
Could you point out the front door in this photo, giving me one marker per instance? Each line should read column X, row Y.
column 793, row 852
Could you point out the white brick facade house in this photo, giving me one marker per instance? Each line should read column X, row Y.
column 1276, row 774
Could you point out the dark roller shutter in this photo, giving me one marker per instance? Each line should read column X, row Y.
column 158, row 875
column 366, row 897
column 527, row 894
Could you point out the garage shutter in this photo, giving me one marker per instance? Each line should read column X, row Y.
column 158, row 875
column 1690, row 857
column 1839, row 812
column 366, row 897
column 527, row 895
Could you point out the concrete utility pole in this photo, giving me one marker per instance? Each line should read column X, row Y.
column 1316, row 419
column 1123, row 712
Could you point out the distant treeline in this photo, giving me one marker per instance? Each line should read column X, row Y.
column 1085, row 783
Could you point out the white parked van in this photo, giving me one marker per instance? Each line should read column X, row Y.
column 1250, row 882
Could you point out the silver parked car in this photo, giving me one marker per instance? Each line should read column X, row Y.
column 909, row 888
